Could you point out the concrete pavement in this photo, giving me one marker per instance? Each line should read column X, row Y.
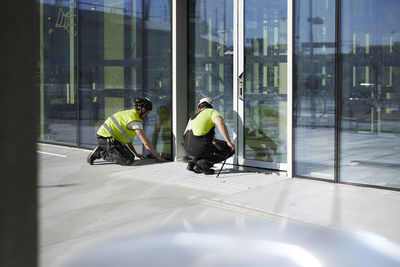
column 83, row 205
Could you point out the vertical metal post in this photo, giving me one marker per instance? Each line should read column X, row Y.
column 77, row 80
column 290, row 55
column 143, row 55
column 179, row 76
column 238, row 77
column 42, row 117
column 145, row 13
column 338, row 87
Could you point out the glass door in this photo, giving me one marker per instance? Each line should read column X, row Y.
column 262, row 83
column 210, row 57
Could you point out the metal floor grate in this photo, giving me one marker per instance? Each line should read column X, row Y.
column 230, row 180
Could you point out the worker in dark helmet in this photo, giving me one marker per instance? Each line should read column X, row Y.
column 199, row 139
column 116, row 134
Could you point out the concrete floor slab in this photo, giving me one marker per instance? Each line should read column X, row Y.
column 82, row 205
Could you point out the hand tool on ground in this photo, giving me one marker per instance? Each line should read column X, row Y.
column 221, row 168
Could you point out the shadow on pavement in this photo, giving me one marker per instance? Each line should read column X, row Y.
column 142, row 162
column 56, row 185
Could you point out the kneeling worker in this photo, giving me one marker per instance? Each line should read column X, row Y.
column 116, row 134
column 199, row 139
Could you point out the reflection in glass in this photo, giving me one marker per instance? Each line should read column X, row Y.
column 370, row 101
column 314, row 88
column 123, row 49
column 57, row 73
column 157, row 74
column 110, row 42
column 210, row 52
column 265, row 80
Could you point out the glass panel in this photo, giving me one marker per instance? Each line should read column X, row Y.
column 110, row 57
column 265, row 80
column 158, row 74
column 314, row 87
column 57, row 72
column 210, row 52
column 370, row 102
column 123, row 50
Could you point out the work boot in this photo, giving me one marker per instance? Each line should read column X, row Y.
column 198, row 169
column 95, row 154
column 190, row 166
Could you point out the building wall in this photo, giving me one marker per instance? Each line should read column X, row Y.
column 346, row 126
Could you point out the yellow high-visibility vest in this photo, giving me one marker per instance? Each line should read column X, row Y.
column 115, row 126
column 203, row 123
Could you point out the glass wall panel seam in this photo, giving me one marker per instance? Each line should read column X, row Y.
column 77, row 95
column 144, row 51
column 290, row 99
column 338, row 86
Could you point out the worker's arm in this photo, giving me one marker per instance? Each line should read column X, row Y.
column 223, row 130
column 147, row 144
column 132, row 149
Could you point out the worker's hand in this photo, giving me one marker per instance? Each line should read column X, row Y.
column 161, row 159
column 140, row 156
column 231, row 146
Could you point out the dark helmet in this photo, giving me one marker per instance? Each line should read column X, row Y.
column 142, row 103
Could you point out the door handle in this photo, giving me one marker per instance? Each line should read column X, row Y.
column 241, row 86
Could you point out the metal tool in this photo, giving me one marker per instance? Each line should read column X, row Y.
column 221, row 168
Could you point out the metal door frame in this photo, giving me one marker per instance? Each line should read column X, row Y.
column 238, row 103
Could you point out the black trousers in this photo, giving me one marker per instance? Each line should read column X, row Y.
column 213, row 152
column 114, row 151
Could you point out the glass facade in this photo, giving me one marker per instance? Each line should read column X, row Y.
column 210, row 56
column 58, row 92
column 265, row 80
column 347, row 124
column 314, row 88
column 370, row 97
column 95, row 57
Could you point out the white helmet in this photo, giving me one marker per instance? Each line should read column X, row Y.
column 205, row 100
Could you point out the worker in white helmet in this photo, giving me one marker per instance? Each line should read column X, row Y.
column 199, row 139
